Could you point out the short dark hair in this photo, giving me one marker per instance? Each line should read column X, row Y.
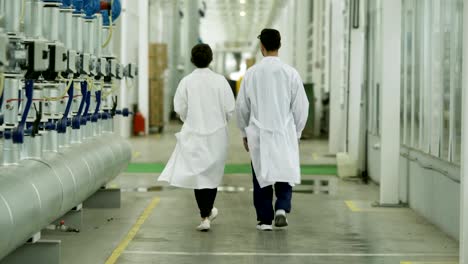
column 202, row 55
column 270, row 38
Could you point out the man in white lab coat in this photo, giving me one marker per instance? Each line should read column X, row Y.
column 205, row 103
column 272, row 110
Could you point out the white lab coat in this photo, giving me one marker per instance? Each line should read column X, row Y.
column 205, row 103
column 272, row 110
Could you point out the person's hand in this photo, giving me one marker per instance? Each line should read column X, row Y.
column 246, row 144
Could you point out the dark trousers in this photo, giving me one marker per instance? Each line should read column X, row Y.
column 263, row 199
column 205, row 200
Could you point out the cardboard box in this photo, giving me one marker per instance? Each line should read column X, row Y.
column 156, row 102
column 156, row 68
column 157, row 49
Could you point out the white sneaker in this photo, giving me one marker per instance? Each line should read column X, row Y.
column 204, row 226
column 280, row 219
column 214, row 214
column 263, row 227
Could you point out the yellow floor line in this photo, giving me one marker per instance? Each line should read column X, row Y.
column 132, row 233
column 315, row 156
column 352, row 206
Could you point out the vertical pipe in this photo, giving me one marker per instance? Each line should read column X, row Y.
column 124, row 123
column 50, row 22
column 89, row 36
column 174, row 55
column 13, row 11
column 10, row 97
column 143, row 89
column 98, row 35
column 33, row 18
column 390, row 137
column 11, row 152
column 78, row 32
column 192, row 27
column 65, row 34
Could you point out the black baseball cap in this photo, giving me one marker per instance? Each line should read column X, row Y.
column 270, row 38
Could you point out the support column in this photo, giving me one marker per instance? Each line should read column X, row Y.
column 174, row 55
column 464, row 158
column 356, row 125
column 390, row 137
column 337, row 128
column 192, row 26
column 124, row 123
column 143, row 62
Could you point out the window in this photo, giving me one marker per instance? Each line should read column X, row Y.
column 431, row 77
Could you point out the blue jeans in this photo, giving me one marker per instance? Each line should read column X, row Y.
column 263, row 199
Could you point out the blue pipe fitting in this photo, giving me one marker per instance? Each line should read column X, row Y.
column 7, row 134
column 76, row 123
column 66, row 4
column 78, row 4
column 96, row 115
column 64, row 122
column 18, row 133
column 124, row 112
column 49, row 126
column 84, row 117
column 91, row 7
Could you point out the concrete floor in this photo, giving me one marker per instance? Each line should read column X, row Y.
column 335, row 228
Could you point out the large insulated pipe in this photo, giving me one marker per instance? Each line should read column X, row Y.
column 38, row 191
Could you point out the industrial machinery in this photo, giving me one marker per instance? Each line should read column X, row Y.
column 58, row 80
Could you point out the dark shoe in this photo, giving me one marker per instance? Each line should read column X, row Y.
column 280, row 219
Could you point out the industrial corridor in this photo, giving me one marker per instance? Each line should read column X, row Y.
column 233, row 131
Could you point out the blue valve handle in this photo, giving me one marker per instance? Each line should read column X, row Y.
column 84, row 118
column 63, row 123
column 1, row 105
column 77, row 119
column 18, row 133
column 96, row 115
column 124, row 112
column 1, row 98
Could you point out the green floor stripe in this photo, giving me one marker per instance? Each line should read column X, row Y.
column 233, row 169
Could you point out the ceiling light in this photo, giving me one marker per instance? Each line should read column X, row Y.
column 242, row 1
column 242, row 13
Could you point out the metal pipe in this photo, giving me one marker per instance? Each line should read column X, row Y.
column 12, row 16
column 10, row 99
column 49, row 187
column 33, row 18
column 32, row 147
column 76, row 136
column 50, row 25
column 98, row 34
column 89, row 36
column 11, row 153
column 78, row 32
column 65, row 34
column 51, row 141
column 107, row 51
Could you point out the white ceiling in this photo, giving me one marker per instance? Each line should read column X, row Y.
column 224, row 27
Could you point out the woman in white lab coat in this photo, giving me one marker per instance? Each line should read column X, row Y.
column 205, row 103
